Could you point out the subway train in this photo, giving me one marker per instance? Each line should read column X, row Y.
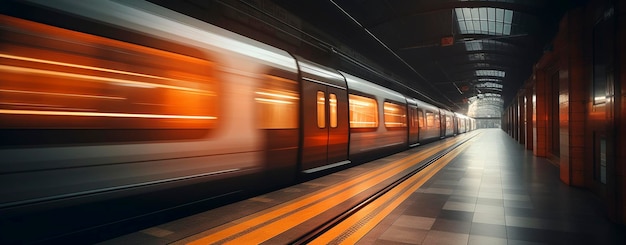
column 115, row 110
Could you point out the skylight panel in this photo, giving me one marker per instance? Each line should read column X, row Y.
column 473, row 46
column 489, row 80
column 489, row 85
column 477, row 45
column 484, row 20
column 491, row 73
column 476, row 57
column 491, row 13
column 508, row 16
column 499, row 15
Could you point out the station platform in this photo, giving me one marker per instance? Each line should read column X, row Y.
column 476, row 188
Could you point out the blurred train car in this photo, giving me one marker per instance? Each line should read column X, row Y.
column 429, row 122
column 462, row 123
column 378, row 121
column 91, row 114
column 113, row 111
column 447, row 123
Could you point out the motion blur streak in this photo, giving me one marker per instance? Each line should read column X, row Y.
column 96, row 78
column 61, row 94
column 8, row 56
column 101, row 114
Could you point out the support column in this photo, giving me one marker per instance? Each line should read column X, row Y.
column 520, row 118
column 620, row 113
column 529, row 117
column 541, row 115
column 577, row 93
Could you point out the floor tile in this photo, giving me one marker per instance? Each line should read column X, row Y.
column 490, row 202
column 456, row 215
column 460, row 198
column 489, row 218
column 490, row 230
column 518, row 204
column 492, row 195
column 416, row 222
column 516, row 197
column 481, row 208
column 485, row 240
column 452, row 226
column 459, row 206
column 404, row 235
column 445, row 238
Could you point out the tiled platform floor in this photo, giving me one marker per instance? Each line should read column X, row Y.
column 495, row 192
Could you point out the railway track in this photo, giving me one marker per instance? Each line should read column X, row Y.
column 351, row 225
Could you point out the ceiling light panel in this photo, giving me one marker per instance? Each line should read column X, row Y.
column 490, row 73
column 489, row 80
column 484, row 20
column 489, row 85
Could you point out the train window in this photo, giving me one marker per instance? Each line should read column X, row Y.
column 363, row 112
column 321, row 109
column 437, row 121
column 55, row 78
column 430, row 119
column 448, row 122
column 333, row 110
column 420, row 118
column 277, row 103
column 395, row 115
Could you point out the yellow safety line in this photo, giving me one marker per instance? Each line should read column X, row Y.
column 383, row 206
column 263, row 226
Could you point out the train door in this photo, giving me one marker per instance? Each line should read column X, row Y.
column 413, row 124
column 429, row 125
column 441, row 121
column 461, row 125
column 421, row 124
column 325, row 127
column 338, row 126
column 449, row 125
column 456, row 126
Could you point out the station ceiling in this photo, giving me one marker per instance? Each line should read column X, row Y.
column 453, row 50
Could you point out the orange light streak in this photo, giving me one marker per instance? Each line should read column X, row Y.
column 273, row 101
column 102, row 114
column 62, row 94
column 277, row 95
column 8, row 56
column 16, row 69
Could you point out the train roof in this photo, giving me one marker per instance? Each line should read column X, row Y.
column 365, row 87
column 321, row 74
column 153, row 20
